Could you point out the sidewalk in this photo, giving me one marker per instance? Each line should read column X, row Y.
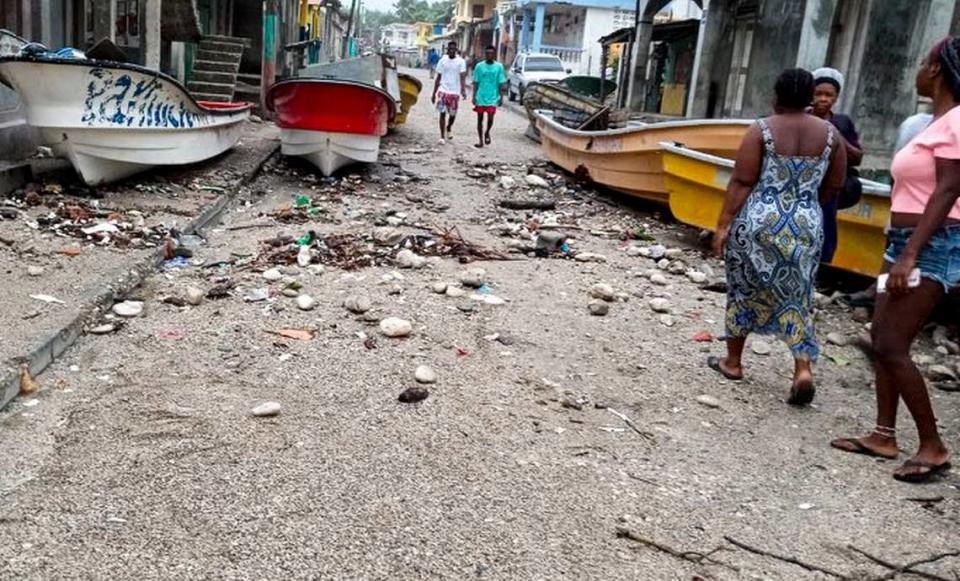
column 54, row 274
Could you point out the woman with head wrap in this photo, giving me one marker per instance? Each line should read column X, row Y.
column 924, row 235
column 827, row 86
column 770, row 230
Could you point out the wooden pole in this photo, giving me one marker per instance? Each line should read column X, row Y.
column 268, row 66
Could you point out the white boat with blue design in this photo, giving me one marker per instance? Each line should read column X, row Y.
column 113, row 120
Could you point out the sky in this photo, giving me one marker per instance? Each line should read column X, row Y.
column 383, row 5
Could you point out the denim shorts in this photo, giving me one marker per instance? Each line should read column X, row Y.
column 939, row 260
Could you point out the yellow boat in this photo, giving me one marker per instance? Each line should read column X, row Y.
column 410, row 88
column 697, row 183
column 629, row 159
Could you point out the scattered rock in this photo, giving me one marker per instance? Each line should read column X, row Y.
column 922, row 359
column 952, row 347
column 708, row 400
column 358, row 304
column 667, row 320
column 529, row 203
column 455, row 292
column 507, row 182
column 128, row 309
column 175, row 301
column 425, row 374
column 272, row 275
column 256, row 295
column 290, row 292
column 939, row 334
column 861, row 315
column 266, row 409
column 638, row 251
column 439, row 287
column 673, row 253
column 663, row 264
column 104, row 329
column 536, row 181
column 760, row 347
column 602, row 291
column 473, row 278
column 387, row 236
column 598, row 308
column 306, row 303
column 941, row 373
column 658, row 279
column 413, row 394
column 590, row 257
column 657, row 251
column 677, row 267
column 395, row 327
column 194, row 296
column 34, row 270
column 487, row 299
column 696, row 276
column 660, row 305
column 836, row 339
column 466, row 307
column 409, row 259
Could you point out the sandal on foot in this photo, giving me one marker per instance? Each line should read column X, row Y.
column 714, row 364
column 802, row 393
column 932, row 470
column 856, row 446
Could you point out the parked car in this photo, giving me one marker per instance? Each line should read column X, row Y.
column 533, row 68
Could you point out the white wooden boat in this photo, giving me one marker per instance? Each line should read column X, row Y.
column 113, row 120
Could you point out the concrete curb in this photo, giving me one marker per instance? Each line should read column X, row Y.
column 118, row 285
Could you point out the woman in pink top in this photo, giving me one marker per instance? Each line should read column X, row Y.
column 924, row 234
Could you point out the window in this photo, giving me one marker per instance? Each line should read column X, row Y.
column 549, row 64
column 476, row 11
column 739, row 64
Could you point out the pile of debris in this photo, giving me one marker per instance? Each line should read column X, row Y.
column 82, row 219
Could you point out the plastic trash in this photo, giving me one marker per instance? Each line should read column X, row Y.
column 68, row 52
column 302, row 200
column 303, row 256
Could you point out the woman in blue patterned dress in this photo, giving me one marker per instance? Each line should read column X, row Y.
column 770, row 231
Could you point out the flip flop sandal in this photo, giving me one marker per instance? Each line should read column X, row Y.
column 714, row 364
column 856, row 446
column 933, row 470
column 802, row 393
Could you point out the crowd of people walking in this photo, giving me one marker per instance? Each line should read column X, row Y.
column 794, row 170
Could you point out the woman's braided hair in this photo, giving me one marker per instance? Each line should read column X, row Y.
column 948, row 53
column 794, row 88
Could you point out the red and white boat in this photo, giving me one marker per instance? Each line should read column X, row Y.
column 331, row 122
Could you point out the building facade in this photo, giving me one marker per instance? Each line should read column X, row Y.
column 568, row 30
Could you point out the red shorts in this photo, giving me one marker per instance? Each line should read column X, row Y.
column 491, row 109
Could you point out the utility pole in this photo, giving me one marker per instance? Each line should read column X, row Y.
column 346, row 41
column 268, row 66
column 152, row 36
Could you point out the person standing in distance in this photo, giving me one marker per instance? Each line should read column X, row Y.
column 489, row 83
column 449, row 88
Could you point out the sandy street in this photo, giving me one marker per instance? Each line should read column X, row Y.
column 553, row 444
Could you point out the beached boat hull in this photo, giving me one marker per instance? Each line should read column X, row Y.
column 410, row 88
column 113, row 120
column 629, row 160
column 697, row 184
column 331, row 123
